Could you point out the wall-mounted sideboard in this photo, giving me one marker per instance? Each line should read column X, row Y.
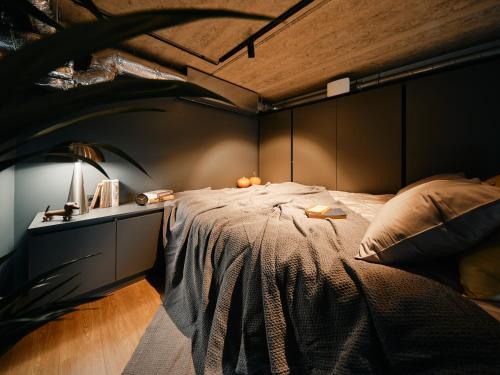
column 380, row 139
column 123, row 240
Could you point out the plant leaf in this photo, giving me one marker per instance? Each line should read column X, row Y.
column 6, row 257
column 76, row 302
column 26, row 7
column 69, row 155
column 121, row 154
column 26, row 287
column 90, row 6
column 49, row 291
column 89, row 116
column 19, row 70
column 4, row 164
column 19, row 119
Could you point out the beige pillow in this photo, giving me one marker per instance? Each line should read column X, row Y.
column 432, row 220
column 443, row 176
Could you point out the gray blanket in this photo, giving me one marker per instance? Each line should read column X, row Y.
column 260, row 288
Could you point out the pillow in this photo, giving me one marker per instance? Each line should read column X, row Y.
column 432, row 220
column 443, row 176
column 480, row 270
column 493, row 181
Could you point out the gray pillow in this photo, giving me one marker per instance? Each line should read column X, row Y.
column 431, row 220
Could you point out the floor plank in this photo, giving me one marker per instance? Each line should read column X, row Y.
column 97, row 339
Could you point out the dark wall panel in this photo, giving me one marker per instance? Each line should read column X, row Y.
column 275, row 147
column 453, row 123
column 369, row 141
column 315, row 144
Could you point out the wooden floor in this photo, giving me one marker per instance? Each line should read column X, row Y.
column 96, row 341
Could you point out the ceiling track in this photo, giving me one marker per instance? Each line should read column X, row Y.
column 264, row 30
column 425, row 67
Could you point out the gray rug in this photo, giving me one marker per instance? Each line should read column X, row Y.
column 163, row 349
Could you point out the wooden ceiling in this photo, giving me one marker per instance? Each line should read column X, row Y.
column 325, row 40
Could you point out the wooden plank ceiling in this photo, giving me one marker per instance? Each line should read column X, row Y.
column 325, row 40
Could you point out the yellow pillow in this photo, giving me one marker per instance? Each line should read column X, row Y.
column 493, row 181
column 480, row 270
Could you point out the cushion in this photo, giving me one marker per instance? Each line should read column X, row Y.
column 480, row 269
column 443, row 176
column 431, row 220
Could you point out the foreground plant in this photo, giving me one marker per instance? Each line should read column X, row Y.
column 27, row 115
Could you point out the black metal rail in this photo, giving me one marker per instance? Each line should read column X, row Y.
column 271, row 25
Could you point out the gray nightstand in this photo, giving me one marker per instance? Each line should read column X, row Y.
column 126, row 238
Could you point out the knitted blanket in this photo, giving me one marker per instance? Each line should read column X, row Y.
column 260, row 288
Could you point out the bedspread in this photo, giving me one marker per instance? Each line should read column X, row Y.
column 260, row 288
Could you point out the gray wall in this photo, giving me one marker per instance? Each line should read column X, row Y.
column 6, row 210
column 189, row 147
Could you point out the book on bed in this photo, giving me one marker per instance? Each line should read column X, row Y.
column 325, row 212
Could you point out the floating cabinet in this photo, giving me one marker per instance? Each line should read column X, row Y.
column 315, row 144
column 47, row 251
column 369, row 141
column 137, row 240
column 275, row 147
column 124, row 240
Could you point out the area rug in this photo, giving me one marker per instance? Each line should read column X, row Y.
column 163, row 349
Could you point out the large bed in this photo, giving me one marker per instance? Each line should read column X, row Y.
column 260, row 288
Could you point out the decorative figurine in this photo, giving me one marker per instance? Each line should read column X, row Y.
column 66, row 212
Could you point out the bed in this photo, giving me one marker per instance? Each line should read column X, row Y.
column 260, row 288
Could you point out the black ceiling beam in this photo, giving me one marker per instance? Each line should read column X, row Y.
column 271, row 25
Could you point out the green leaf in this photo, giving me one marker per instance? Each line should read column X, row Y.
column 22, row 118
column 19, row 70
column 71, row 156
column 89, row 116
column 90, row 6
column 4, row 164
column 76, row 302
column 6, row 257
column 121, row 154
column 26, row 287
column 26, row 7
column 32, row 302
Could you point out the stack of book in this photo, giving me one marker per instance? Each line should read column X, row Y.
column 107, row 194
column 325, row 212
column 154, row 196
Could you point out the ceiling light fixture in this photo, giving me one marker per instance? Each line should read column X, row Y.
column 251, row 50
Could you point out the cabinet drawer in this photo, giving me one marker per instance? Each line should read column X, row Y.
column 137, row 244
column 47, row 251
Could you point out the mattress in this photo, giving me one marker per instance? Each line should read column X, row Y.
column 259, row 287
